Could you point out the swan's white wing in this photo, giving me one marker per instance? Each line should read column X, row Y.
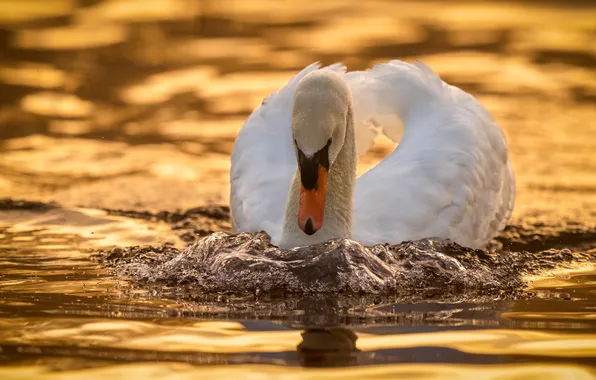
column 370, row 120
column 264, row 162
column 449, row 177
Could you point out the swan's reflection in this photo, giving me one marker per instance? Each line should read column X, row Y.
column 324, row 343
column 328, row 347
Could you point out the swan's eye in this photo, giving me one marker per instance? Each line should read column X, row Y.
column 323, row 155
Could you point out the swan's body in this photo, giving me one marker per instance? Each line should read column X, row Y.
column 449, row 177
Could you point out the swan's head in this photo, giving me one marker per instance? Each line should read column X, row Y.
column 319, row 121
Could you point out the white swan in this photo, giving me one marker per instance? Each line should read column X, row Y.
column 449, row 177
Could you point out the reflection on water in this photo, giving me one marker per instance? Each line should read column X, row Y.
column 62, row 315
column 131, row 107
column 104, row 343
column 434, row 371
column 183, row 75
column 229, row 341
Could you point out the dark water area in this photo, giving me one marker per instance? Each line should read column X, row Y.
column 117, row 120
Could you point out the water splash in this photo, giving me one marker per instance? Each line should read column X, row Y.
column 240, row 264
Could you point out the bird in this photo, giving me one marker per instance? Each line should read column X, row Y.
column 294, row 161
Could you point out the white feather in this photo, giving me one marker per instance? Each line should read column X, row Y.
column 449, row 177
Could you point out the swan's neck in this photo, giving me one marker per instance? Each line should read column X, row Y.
column 337, row 215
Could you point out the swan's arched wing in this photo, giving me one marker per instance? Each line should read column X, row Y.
column 449, row 177
column 370, row 120
column 264, row 162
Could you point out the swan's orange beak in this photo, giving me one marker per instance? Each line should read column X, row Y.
column 312, row 204
column 313, row 179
